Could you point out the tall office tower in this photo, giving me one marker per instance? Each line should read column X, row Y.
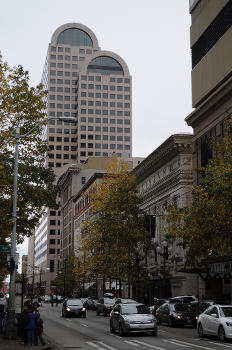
column 93, row 86
column 211, row 46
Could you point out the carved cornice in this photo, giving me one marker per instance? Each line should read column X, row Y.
column 173, row 146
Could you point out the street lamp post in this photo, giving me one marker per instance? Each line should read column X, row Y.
column 164, row 251
column 11, row 327
column 64, row 291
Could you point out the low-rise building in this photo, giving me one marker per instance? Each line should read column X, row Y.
column 163, row 178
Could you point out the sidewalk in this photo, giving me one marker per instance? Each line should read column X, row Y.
column 6, row 344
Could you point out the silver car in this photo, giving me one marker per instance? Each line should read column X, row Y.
column 216, row 320
column 132, row 318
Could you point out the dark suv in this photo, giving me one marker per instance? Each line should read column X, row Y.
column 176, row 314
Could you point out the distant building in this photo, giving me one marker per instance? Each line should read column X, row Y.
column 24, row 265
column 94, row 86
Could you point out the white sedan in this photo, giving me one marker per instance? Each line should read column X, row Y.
column 216, row 320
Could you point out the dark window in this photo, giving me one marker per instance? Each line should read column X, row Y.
column 105, row 65
column 212, row 34
column 52, row 241
column 51, row 265
column 52, row 251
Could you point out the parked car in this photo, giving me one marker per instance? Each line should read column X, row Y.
column 73, row 307
column 104, row 306
column 183, row 299
column 90, row 303
column 132, row 317
column 216, row 320
column 176, row 314
column 109, row 295
column 125, row 301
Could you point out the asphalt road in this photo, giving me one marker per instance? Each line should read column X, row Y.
column 93, row 332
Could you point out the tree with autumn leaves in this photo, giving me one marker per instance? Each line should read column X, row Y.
column 115, row 234
column 22, row 106
column 205, row 228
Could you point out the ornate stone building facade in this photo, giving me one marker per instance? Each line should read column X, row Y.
column 165, row 177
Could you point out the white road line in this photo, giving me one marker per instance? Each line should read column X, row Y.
column 149, row 345
column 85, row 325
column 95, row 345
column 174, row 342
column 191, row 344
column 107, row 346
column 131, row 343
column 217, row 343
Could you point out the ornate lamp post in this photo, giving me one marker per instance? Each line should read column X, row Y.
column 165, row 251
column 11, row 329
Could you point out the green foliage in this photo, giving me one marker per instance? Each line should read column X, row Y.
column 70, row 276
column 117, row 232
column 23, row 106
column 204, row 229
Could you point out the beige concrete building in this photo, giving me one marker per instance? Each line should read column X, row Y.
column 211, row 45
column 163, row 178
column 93, row 86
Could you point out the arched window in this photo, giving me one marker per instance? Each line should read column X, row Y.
column 105, row 65
column 74, row 37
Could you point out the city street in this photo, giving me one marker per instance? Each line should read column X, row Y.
column 93, row 332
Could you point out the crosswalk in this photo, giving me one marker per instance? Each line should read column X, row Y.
column 134, row 344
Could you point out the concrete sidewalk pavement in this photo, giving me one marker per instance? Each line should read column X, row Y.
column 6, row 344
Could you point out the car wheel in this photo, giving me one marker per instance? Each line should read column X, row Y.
column 112, row 330
column 221, row 334
column 121, row 332
column 200, row 330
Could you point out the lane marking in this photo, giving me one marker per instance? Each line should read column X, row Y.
column 190, row 344
column 107, row 346
column 226, row 346
column 173, row 342
column 85, row 325
column 95, row 345
column 131, row 343
column 150, row 346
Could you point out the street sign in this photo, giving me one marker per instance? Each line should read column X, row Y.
column 4, row 248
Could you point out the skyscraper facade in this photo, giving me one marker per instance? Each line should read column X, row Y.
column 94, row 86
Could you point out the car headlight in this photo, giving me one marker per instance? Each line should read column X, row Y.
column 67, row 309
column 176, row 316
column 229, row 324
column 83, row 309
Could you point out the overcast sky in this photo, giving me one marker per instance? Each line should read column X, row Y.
column 152, row 36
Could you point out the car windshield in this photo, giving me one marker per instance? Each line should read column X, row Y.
column 74, row 302
column 130, row 309
column 109, row 301
column 226, row 311
column 181, row 307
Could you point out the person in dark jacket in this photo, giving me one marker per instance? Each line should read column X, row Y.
column 24, row 323
column 30, row 327
column 38, row 325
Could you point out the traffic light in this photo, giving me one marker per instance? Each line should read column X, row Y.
column 11, row 265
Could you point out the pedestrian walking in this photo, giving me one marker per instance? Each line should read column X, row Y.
column 52, row 300
column 57, row 300
column 30, row 327
column 38, row 325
